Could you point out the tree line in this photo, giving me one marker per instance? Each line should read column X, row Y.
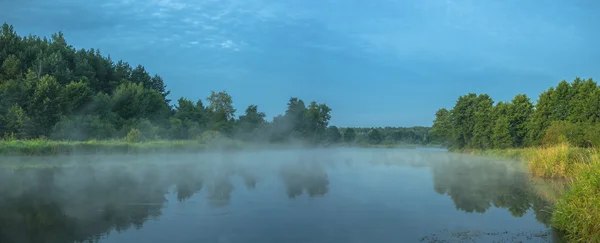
column 567, row 113
column 49, row 89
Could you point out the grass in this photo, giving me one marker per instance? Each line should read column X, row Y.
column 50, row 147
column 577, row 206
column 578, row 212
column 554, row 162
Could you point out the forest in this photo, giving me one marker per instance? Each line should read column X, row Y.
column 50, row 90
column 568, row 113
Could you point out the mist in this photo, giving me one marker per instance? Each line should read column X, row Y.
column 258, row 194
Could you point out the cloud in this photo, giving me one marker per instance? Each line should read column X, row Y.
column 228, row 44
column 452, row 31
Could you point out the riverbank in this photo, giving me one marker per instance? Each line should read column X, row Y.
column 50, row 147
column 577, row 209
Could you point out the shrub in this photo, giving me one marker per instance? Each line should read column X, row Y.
column 134, row 135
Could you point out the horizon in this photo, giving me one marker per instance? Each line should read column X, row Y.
column 360, row 60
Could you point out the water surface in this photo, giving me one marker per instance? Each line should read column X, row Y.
column 291, row 195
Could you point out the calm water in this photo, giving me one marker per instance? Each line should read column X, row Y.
column 325, row 195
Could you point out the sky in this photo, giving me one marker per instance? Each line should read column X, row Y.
column 375, row 63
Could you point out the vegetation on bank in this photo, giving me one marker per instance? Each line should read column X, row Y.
column 50, row 90
column 557, row 137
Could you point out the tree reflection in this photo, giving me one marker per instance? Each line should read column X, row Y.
column 476, row 186
column 219, row 191
column 61, row 205
column 307, row 176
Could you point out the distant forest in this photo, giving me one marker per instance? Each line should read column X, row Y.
column 48, row 89
column 567, row 113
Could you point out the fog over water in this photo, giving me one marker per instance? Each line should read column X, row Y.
column 279, row 195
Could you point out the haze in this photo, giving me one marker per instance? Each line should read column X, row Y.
column 283, row 195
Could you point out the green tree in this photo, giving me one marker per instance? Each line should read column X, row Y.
column 17, row 122
column 76, row 96
column 541, row 118
column 349, row 135
column 221, row 103
column 11, row 68
column 462, row 117
column 521, row 112
column 501, row 133
column 482, row 130
column 294, row 116
column 132, row 101
column 375, row 136
column 251, row 121
column 585, row 103
column 46, row 105
column 333, row 134
column 441, row 128
column 316, row 119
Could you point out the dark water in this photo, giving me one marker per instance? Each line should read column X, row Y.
column 327, row 195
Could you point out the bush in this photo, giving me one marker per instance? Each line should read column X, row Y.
column 565, row 132
column 134, row 135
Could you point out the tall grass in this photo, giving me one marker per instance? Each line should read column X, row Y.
column 578, row 212
column 577, row 206
column 560, row 161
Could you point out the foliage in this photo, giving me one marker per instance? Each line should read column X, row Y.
column 375, row 136
column 566, row 113
column 397, row 136
column 333, row 135
column 349, row 135
column 133, row 136
column 50, row 89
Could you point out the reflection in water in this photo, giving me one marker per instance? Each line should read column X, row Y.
column 75, row 204
column 85, row 203
column 476, row 186
column 305, row 176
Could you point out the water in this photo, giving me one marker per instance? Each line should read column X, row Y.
column 324, row 195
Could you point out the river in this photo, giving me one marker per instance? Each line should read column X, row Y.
column 283, row 195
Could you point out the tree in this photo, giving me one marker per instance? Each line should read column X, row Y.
column 482, row 130
column 462, row 117
column 46, row 105
column 131, row 101
column 541, row 118
column 501, row 133
column 17, row 122
column 11, row 68
column 294, row 116
column 76, row 96
column 375, row 136
column 521, row 111
column 441, row 128
column 349, row 135
column 316, row 119
column 333, row 134
column 221, row 104
column 251, row 121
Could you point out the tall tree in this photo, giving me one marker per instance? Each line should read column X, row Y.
column 522, row 108
column 349, row 135
column 482, row 130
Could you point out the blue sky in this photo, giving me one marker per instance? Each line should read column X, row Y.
column 375, row 63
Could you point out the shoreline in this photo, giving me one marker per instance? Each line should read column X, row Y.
column 576, row 194
column 42, row 147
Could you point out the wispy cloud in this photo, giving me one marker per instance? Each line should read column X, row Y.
column 444, row 31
